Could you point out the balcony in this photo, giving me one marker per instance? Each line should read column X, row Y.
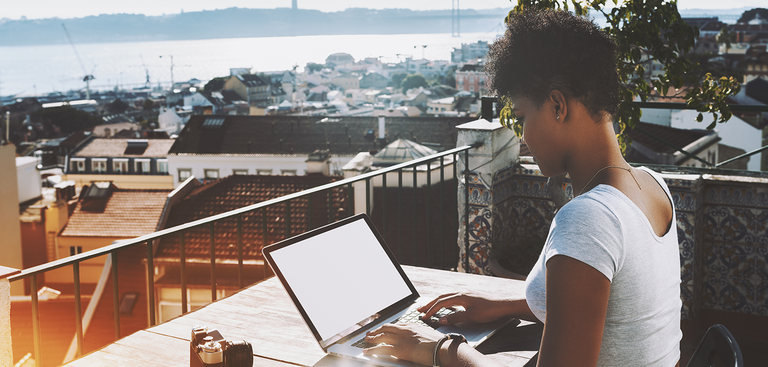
column 720, row 220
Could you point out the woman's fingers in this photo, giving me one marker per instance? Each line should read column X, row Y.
column 433, row 302
column 446, row 300
column 382, row 350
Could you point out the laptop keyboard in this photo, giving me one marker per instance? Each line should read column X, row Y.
column 413, row 316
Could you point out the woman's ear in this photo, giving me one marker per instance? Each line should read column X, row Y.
column 560, row 105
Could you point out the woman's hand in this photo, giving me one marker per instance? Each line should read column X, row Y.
column 411, row 342
column 476, row 308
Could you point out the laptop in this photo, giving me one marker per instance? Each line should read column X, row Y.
column 344, row 281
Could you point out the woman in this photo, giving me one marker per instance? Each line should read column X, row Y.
column 606, row 285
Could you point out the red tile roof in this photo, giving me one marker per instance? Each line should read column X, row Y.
column 238, row 191
column 102, row 147
column 128, row 213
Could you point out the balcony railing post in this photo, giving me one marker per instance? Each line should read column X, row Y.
column 78, row 309
column 466, row 211
column 36, row 321
column 240, row 280
column 183, row 273
column 310, row 223
column 115, row 295
column 441, row 246
column 265, row 237
column 368, row 196
column 400, row 213
column 383, row 204
column 287, row 219
column 427, row 201
column 151, row 283
column 350, row 200
column 212, row 233
column 415, row 219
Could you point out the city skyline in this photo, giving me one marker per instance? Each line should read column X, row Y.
column 39, row 9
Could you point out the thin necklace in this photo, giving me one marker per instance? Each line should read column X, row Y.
column 606, row 167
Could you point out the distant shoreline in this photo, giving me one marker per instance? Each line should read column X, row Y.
column 243, row 23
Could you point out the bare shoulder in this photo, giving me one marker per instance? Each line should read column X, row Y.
column 651, row 198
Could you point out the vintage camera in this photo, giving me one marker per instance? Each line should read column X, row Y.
column 208, row 348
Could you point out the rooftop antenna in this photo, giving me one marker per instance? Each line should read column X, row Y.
column 88, row 77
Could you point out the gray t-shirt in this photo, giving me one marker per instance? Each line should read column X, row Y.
column 605, row 230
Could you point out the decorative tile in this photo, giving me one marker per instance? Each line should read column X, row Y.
column 480, row 239
column 760, row 280
column 736, row 295
column 685, row 243
column 761, row 226
column 518, row 217
column 679, row 183
column 736, row 196
column 729, row 260
column 732, row 224
column 684, row 200
column 686, row 290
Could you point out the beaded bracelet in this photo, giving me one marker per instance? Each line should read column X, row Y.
column 445, row 338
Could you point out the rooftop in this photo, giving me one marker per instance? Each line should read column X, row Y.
column 239, row 191
column 305, row 134
column 101, row 147
column 126, row 213
column 252, row 80
column 678, row 137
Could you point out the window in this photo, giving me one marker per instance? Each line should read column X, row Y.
column 265, row 172
column 74, row 250
column 184, row 174
column 239, row 171
column 288, row 172
column 141, row 166
column 77, row 165
column 211, row 174
column 471, row 88
column 162, row 166
column 120, row 166
column 471, row 79
column 99, row 165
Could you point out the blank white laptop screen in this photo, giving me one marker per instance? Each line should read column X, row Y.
column 341, row 277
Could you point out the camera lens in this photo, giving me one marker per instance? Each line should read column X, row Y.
column 238, row 354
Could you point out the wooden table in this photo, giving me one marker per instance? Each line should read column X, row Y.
column 264, row 315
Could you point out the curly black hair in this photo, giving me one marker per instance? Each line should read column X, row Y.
column 542, row 51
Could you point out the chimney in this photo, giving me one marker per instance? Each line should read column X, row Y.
column 319, row 162
column 382, row 125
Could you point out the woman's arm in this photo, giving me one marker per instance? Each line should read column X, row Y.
column 577, row 301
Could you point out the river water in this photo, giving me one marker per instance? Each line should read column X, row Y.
column 36, row 70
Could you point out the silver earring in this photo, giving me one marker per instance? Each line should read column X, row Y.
column 558, row 117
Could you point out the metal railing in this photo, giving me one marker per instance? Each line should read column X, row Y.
column 180, row 230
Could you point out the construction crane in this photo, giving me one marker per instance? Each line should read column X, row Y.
column 88, row 76
column 145, row 70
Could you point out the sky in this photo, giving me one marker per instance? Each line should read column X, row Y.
column 38, row 9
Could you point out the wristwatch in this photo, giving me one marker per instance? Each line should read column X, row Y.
column 445, row 338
